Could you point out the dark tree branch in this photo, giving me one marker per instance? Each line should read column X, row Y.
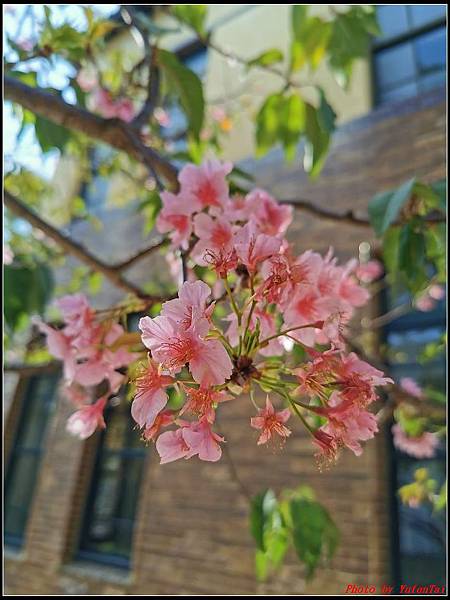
column 348, row 217
column 126, row 264
column 21, row 210
column 114, row 132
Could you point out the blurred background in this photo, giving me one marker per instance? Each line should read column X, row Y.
column 101, row 516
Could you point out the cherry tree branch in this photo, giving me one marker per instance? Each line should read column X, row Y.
column 20, row 209
column 114, row 132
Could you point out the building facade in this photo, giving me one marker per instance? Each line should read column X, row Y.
column 103, row 517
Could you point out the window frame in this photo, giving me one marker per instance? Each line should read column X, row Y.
column 412, row 34
column 83, row 553
column 17, row 451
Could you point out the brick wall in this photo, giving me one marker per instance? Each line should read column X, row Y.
column 192, row 534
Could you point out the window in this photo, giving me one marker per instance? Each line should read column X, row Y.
column 111, row 506
column 420, row 535
column 410, row 55
column 26, row 455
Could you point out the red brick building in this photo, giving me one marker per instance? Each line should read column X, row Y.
column 102, row 517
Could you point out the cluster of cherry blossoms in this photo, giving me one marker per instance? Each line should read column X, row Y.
column 280, row 331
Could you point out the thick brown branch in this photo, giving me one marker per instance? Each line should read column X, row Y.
column 114, row 132
column 21, row 210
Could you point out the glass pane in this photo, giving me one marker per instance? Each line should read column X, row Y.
column 422, row 14
column 430, row 50
column 19, row 492
column 394, row 65
column 433, row 80
column 393, row 21
column 38, row 405
column 115, row 485
column 402, row 92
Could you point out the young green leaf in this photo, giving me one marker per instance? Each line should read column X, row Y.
column 267, row 58
column 269, row 123
column 187, row 87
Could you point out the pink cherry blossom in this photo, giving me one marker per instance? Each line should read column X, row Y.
column 369, row 271
column 253, row 247
column 208, row 360
column 175, row 217
column 190, row 306
column 271, row 218
column 151, row 396
column 85, row 421
column 411, row 387
column 202, row 441
column 162, row 419
column 202, row 401
column 215, row 246
column 87, row 79
column 422, row 446
column 348, row 424
column 270, row 422
column 171, row 446
column 206, row 183
column 162, row 117
column 437, row 292
column 8, row 255
column 109, row 107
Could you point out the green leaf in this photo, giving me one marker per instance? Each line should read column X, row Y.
column 411, row 256
column 293, row 119
column 261, row 565
column 95, row 281
column 309, row 46
column 267, row 58
column 27, row 291
column 315, row 535
column 390, row 249
column 436, row 249
column 350, row 39
column 269, row 123
column 384, row 208
column 299, row 15
column 187, row 87
column 262, row 507
column 317, row 142
column 193, row 15
column 50, row 135
column 440, row 188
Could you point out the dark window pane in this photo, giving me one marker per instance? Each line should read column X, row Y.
column 111, row 508
column 430, row 50
column 433, row 80
column 423, row 14
column 393, row 21
column 394, row 65
column 23, row 467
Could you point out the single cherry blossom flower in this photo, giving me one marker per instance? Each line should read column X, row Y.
column 151, row 397
column 190, row 305
column 202, row 401
column 271, row 217
column 421, row 446
column 202, row 441
column 175, row 218
column 270, row 422
column 206, row 183
column 162, row 419
column 253, row 247
column 85, row 421
column 208, row 360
